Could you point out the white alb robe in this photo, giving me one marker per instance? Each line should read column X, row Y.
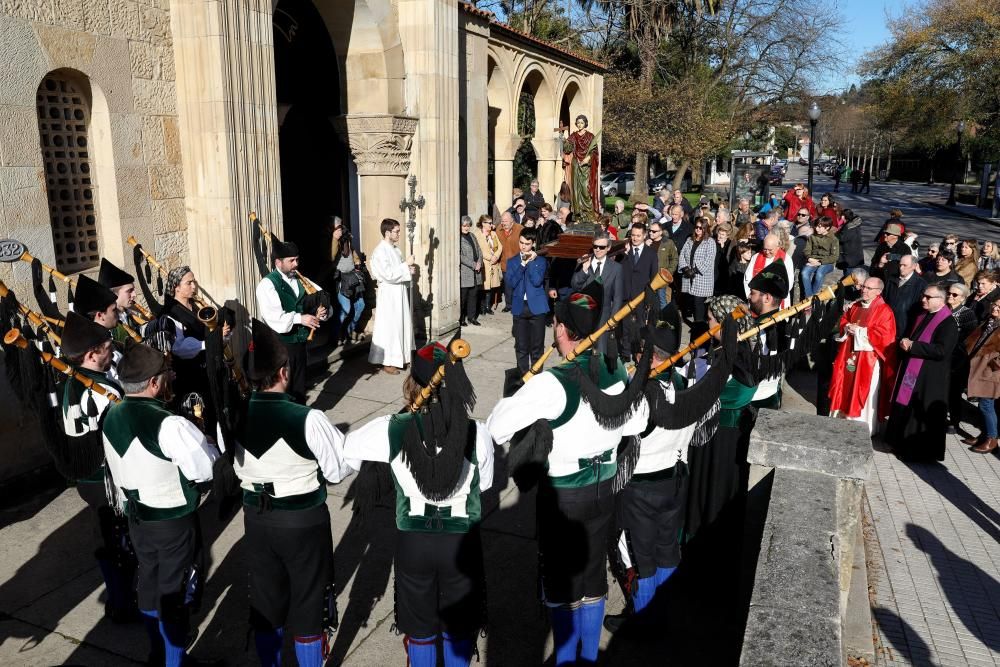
column 392, row 337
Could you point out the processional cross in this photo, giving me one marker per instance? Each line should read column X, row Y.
column 410, row 208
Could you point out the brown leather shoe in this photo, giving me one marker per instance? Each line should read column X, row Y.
column 391, row 370
column 977, row 440
column 986, row 447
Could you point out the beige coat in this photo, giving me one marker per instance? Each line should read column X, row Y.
column 492, row 274
column 984, row 382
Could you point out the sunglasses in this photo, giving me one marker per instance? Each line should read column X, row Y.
column 929, row 296
column 599, row 247
column 803, row 215
column 954, row 294
column 699, row 227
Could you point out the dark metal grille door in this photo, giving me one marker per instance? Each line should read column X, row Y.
column 63, row 115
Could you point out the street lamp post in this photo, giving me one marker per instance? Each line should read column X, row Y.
column 958, row 162
column 814, row 112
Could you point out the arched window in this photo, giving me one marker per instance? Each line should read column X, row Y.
column 63, row 116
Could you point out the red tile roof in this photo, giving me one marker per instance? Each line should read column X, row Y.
column 523, row 36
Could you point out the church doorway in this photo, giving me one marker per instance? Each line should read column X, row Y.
column 314, row 160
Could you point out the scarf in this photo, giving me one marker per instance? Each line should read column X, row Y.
column 761, row 261
column 914, row 364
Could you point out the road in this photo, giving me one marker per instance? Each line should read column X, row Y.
column 928, row 222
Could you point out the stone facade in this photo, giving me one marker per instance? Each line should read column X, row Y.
column 185, row 120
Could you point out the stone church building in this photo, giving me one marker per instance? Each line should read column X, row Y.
column 171, row 120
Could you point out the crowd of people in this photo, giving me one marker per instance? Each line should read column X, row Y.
column 653, row 459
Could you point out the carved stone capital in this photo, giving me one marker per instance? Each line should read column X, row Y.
column 380, row 143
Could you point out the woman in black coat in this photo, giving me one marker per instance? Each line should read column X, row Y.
column 852, row 253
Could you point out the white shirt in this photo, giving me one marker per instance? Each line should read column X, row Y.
column 269, row 304
column 187, row 447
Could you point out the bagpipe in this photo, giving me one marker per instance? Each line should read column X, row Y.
column 38, row 378
column 47, row 302
column 262, row 239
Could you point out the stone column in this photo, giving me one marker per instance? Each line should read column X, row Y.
column 549, row 164
column 430, row 35
column 503, row 181
column 380, row 145
column 229, row 137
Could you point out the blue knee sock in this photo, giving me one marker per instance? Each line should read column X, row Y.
column 645, row 588
column 422, row 651
column 268, row 643
column 174, row 638
column 662, row 574
column 457, row 652
column 589, row 617
column 565, row 634
column 151, row 620
column 309, row 650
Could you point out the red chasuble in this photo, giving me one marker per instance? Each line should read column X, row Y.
column 852, row 370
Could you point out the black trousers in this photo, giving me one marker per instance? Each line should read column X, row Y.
column 297, row 371
column 290, row 561
column 529, row 338
column 439, row 583
column 573, row 527
column 470, row 302
column 171, row 572
column 651, row 512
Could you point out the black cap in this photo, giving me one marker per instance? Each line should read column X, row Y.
column 81, row 335
column 91, row 296
column 773, row 280
column 141, row 362
column 111, row 276
column 664, row 331
column 425, row 361
column 281, row 250
column 581, row 312
column 266, row 353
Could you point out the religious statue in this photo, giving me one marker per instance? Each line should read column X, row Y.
column 583, row 170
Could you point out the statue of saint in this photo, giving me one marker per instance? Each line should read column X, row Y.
column 583, row 170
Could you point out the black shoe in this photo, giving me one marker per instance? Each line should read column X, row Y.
column 487, row 311
column 474, row 323
column 614, row 622
column 506, row 309
column 461, row 322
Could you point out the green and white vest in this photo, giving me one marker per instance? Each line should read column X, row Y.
column 290, row 303
column 662, row 449
column 416, row 513
column 153, row 486
column 576, row 459
column 272, row 457
column 76, row 422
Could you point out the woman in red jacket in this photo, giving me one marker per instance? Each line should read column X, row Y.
column 828, row 208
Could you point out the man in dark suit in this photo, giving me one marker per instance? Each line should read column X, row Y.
column 676, row 227
column 903, row 294
column 596, row 267
column 639, row 265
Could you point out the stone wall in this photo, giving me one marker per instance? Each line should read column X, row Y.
column 124, row 50
column 806, row 561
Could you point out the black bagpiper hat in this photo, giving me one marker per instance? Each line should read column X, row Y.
column 81, row 335
column 266, row 353
column 773, row 280
column 425, row 362
column 111, row 276
column 664, row 330
column 281, row 250
column 140, row 363
column 581, row 312
column 91, row 296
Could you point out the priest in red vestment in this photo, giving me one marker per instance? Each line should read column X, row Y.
column 865, row 360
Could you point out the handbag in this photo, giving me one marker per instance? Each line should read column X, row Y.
column 352, row 284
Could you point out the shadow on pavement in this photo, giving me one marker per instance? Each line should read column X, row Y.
column 906, row 643
column 939, row 478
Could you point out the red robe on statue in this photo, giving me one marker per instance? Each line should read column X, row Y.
column 849, row 388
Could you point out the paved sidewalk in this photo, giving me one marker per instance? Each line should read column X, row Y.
column 935, row 578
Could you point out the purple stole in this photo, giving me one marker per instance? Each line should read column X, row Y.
column 914, row 364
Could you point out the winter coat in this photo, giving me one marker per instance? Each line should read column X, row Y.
column 984, row 382
column 824, row 248
column 469, row 255
column 968, row 269
column 490, row 248
column 699, row 260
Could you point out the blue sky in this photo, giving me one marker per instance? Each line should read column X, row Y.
column 864, row 28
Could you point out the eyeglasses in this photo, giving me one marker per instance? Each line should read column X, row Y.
column 955, row 294
column 803, row 215
column 698, row 227
column 873, row 289
column 599, row 247
column 930, row 296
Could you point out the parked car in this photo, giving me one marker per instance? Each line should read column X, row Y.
column 666, row 179
column 618, row 183
column 777, row 174
column 781, row 163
